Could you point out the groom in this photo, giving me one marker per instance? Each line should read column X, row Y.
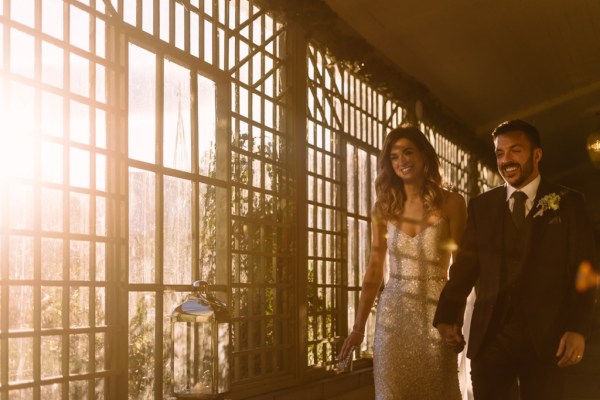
column 521, row 249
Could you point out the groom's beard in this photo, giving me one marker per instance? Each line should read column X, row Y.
column 522, row 173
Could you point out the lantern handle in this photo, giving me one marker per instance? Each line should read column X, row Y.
column 202, row 289
column 201, row 286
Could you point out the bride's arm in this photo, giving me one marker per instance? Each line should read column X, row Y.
column 456, row 212
column 371, row 284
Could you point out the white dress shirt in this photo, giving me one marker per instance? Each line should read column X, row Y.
column 530, row 190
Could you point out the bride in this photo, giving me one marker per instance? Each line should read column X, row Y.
column 418, row 224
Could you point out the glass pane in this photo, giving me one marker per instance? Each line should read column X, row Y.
column 179, row 26
column 79, row 355
column 20, row 310
column 52, row 212
column 101, row 129
column 78, row 390
column 80, row 28
column 363, row 184
column 79, row 168
column 51, row 356
column 24, row 12
column 80, row 122
column 208, row 237
column 21, row 394
column 79, row 265
column 142, row 99
column 193, row 341
column 20, row 258
column 52, row 162
column 206, row 126
column 101, row 172
column 51, row 307
column 20, row 200
column 80, row 75
column 194, row 34
column 171, row 300
column 100, row 357
column 177, row 231
column 52, row 18
column 52, row 259
column 100, row 303
column 22, row 53
column 350, row 185
column 148, row 15
column 141, row 345
column 129, row 11
column 100, row 39
column 20, row 360
column 142, row 226
column 100, row 261
column 79, row 213
column 52, row 115
column 164, row 20
column 17, row 133
column 100, row 84
column 373, row 178
column 352, row 270
column 79, row 306
column 52, row 64
column 53, row 391
column 177, row 119
column 100, row 216
column 208, row 42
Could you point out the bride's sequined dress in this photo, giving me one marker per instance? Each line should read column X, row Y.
column 410, row 360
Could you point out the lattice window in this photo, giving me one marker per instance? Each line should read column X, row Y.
column 346, row 123
column 247, row 197
column 262, row 197
column 487, row 178
column 56, row 242
column 453, row 159
column 200, row 180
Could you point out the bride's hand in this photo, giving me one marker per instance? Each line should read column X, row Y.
column 451, row 335
column 354, row 339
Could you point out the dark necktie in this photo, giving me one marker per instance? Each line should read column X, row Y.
column 518, row 211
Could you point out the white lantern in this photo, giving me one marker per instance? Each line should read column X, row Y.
column 200, row 346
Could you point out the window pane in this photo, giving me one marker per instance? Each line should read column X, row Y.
column 52, row 300
column 141, row 345
column 142, row 104
column 177, row 118
column 20, row 360
column 52, row 259
column 178, row 231
column 51, row 356
column 142, row 226
column 206, row 126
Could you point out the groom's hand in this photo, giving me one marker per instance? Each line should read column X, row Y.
column 451, row 336
column 570, row 349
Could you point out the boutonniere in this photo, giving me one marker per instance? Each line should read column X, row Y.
column 548, row 202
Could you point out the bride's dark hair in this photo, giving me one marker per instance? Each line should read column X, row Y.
column 389, row 187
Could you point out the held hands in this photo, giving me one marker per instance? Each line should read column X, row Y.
column 451, row 336
column 570, row 349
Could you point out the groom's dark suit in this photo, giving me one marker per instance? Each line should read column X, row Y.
column 543, row 294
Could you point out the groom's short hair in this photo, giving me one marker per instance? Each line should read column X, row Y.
column 518, row 125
